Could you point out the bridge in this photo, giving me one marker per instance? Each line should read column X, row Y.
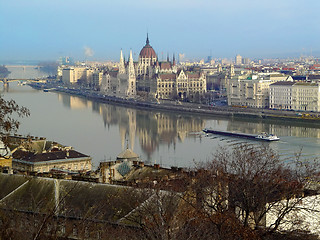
column 23, row 66
column 6, row 81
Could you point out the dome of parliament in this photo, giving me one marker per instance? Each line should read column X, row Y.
column 147, row 51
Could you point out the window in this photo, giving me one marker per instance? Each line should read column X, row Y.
column 75, row 230
column 62, row 228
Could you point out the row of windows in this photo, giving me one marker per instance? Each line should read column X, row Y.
column 82, row 166
column 280, row 97
column 166, row 85
column 281, row 107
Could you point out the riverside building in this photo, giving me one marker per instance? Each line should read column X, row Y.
column 77, row 75
column 149, row 76
column 39, row 155
column 157, row 79
column 252, row 90
column 301, row 96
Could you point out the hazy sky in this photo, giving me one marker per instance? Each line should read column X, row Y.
column 47, row 29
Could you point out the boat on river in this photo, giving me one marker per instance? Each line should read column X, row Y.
column 262, row 136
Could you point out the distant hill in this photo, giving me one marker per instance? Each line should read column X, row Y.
column 4, row 72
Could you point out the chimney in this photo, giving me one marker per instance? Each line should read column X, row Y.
column 141, row 164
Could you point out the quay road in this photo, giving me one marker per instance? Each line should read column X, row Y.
column 253, row 113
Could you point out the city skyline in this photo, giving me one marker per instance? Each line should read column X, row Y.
column 97, row 30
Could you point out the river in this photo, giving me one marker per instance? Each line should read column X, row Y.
column 167, row 138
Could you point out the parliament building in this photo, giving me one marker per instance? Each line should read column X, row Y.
column 160, row 79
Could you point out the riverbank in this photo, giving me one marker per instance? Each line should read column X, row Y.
column 192, row 108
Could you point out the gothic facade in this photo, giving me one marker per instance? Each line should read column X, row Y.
column 160, row 79
column 121, row 82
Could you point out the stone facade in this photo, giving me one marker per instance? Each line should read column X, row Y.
column 306, row 97
column 160, row 80
column 77, row 74
column 40, row 155
column 300, row 96
column 252, row 90
column 281, row 95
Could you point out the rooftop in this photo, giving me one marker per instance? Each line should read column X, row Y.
column 127, row 154
column 283, row 83
column 48, row 156
column 167, row 76
column 306, row 84
column 147, row 51
column 39, row 149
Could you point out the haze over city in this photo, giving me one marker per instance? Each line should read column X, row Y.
column 97, row 29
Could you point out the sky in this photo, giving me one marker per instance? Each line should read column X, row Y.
column 98, row 29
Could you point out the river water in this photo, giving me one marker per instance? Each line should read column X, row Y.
column 167, row 138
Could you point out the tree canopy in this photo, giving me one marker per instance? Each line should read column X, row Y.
column 9, row 112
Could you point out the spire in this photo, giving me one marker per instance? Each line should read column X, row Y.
column 147, row 41
column 131, row 66
column 121, row 63
column 130, row 57
column 167, row 57
column 174, row 60
column 131, row 90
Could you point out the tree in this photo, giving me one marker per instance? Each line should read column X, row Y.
column 229, row 197
column 245, row 184
column 9, row 111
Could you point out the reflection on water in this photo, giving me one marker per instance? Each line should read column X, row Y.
column 151, row 128
column 103, row 130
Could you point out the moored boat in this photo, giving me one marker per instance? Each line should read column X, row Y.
column 267, row 137
column 262, row 136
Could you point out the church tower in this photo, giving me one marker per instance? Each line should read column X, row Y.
column 121, row 64
column 131, row 77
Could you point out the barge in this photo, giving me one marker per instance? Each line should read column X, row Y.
column 262, row 136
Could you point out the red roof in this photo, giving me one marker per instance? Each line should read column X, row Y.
column 288, row 68
column 193, row 75
column 165, row 65
column 147, row 51
column 315, row 66
column 169, row 76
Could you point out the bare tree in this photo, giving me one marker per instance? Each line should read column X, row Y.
column 245, row 184
column 9, row 111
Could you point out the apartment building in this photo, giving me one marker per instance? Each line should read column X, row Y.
column 305, row 96
column 252, row 90
column 301, row 96
column 75, row 74
column 281, row 95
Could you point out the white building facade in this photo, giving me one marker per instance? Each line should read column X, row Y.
column 300, row 96
column 306, row 97
column 252, row 90
column 281, row 95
